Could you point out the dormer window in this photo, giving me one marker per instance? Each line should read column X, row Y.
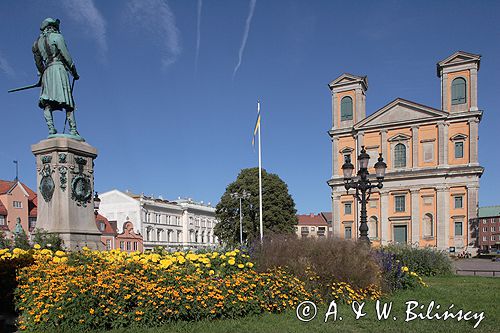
column 346, row 108
column 458, row 91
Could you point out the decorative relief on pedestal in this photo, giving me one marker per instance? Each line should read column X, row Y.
column 46, row 159
column 63, row 179
column 81, row 188
column 62, row 157
column 47, row 185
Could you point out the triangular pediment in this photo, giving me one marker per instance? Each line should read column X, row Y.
column 399, row 137
column 401, row 111
column 347, row 78
column 458, row 137
column 459, row 57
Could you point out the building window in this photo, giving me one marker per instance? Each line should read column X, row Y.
column 373, row 227
column 31, row 221
column 459, row 149
column 484, row 238
column 348, row 208
column 2, row 219
column 400, row 156
column 179, row 236
column 492, row 229
column 108, row 244
column 492, row 237
column 148, row 234
column 159, row 235
column 135, row 246
column 169, row 235
column 102, row 226
column 484, row 221
column 304, row 230
column 458, row 201
column 458, row 91
column 321, row 231
column 485, row 229
column 399, row 203
column 346, row 108
column 17, row 204
column 122, row 245
column 458, row 228
column 347, row 233
column 428, row 225
column 128, row 246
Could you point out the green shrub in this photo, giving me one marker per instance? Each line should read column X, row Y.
column 319, row 262
column 47, row 240
column 424, row 261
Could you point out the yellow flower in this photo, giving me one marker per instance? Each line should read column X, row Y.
column 91, row 311
column 404, row 269
column 60, row 253
column 165, row 263
column 211, row 272
column 249, row 264
column 241, row 265
column 231, row 262
column 37, row 247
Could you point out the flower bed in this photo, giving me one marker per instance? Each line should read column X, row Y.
column 102, row 290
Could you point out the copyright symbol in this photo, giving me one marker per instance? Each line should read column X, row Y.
column 306, row 311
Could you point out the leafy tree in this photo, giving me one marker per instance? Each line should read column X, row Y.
column 278, row 208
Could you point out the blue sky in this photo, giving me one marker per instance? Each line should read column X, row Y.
column 168, row 89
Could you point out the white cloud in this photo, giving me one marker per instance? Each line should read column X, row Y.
column 84, row 12
column 198, row 33
column 245, row 35
column 157, row 17
column 5, row 66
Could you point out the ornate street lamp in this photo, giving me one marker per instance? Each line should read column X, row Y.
column 243, row 195
column 97, row 203
column 363, row 185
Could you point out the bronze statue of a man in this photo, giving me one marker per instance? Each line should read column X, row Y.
column 53, row 62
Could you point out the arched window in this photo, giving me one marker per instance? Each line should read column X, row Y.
column 400, row 156
column 373, row 227
column 428, row 225
column 346, row 108
column 458, row 91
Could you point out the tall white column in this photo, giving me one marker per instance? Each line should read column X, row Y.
column 383, row 144
column 336, row 215
column 335, row 156
column 415, row 216
column 384, row 217
column 473, row 89
column 473, row 142
column 443, row 218
column 414, row 149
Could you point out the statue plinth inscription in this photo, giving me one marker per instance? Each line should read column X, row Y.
column 65, row 182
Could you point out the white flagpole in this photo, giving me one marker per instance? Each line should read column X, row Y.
column 260, row 179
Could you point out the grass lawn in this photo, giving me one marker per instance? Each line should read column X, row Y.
column 476, row 294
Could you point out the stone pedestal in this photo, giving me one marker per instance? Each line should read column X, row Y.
column 65, row 184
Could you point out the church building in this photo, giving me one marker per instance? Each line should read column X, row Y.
column 430, row 191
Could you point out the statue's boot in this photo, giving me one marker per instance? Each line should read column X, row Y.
column 47, row 113
column 70, row 116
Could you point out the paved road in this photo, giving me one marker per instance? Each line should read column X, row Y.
column 478, row 264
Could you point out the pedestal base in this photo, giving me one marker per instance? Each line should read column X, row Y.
column 65, row 178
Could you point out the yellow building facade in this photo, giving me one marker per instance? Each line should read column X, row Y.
column 432, row 180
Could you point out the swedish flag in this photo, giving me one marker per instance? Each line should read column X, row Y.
column 257, row 123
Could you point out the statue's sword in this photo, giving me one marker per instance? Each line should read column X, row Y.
column 38, row 84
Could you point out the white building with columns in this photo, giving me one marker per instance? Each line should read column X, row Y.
column 181, row 223
column 431, row 186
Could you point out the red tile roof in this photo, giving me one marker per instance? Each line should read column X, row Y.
column 6, row 185
column 3, row 210
column 108, row 229
column 311, row 219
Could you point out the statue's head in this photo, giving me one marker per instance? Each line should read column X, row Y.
column 50, row 22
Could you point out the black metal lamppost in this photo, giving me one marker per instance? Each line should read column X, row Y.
column 363, row 185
